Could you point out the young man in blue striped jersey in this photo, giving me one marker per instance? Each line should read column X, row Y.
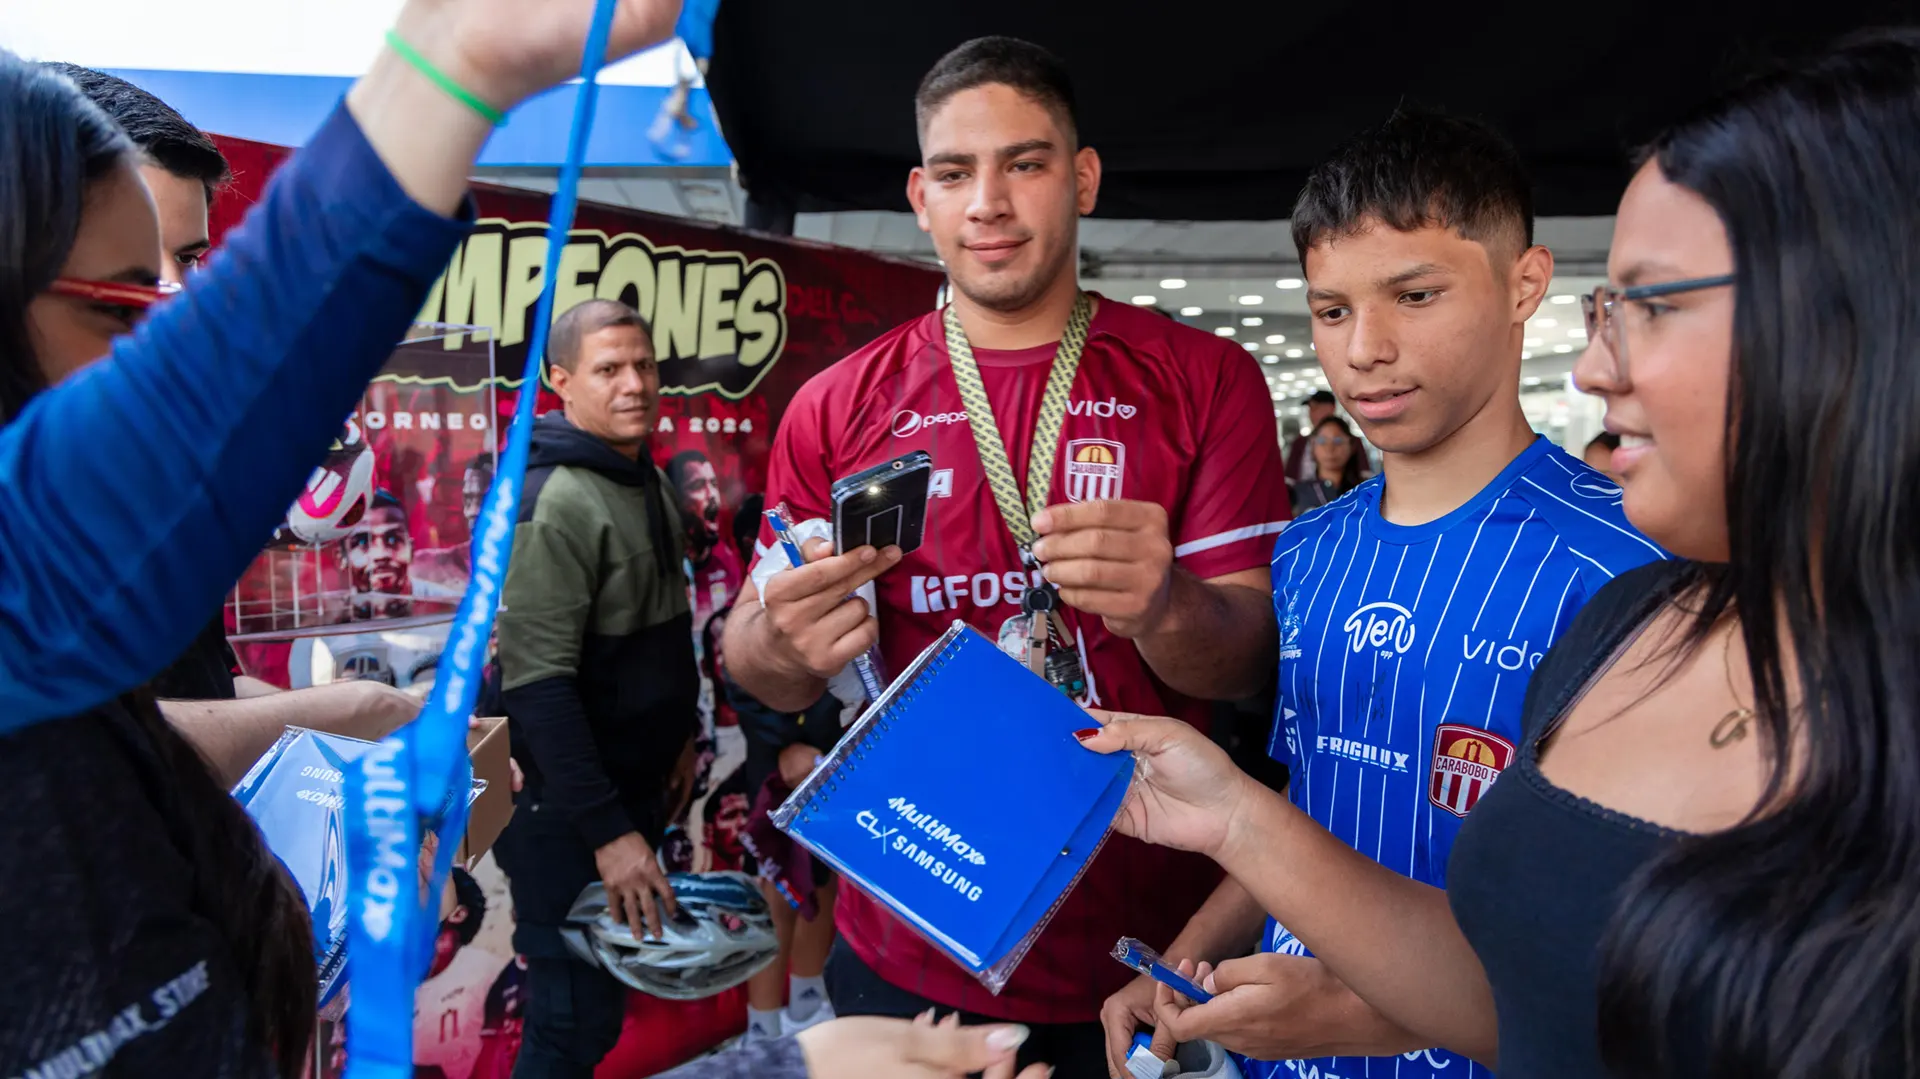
column 1413, row 609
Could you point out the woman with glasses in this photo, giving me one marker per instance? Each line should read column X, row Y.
column 1339, row 464
column 1705, row 860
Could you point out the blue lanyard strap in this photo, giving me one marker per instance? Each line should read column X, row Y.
column 420, row 776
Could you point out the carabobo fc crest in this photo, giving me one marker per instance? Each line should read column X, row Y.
column 1466, row 761
column 1094, row 467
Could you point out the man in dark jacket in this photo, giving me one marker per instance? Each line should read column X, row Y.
column 601, row 688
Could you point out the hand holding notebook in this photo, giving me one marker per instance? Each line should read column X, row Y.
column 1190, row 793
column 963, row 802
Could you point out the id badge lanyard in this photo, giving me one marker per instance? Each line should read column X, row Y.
column 419, row 777
column 1051, row 653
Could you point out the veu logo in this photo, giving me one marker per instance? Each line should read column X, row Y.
column 1507, row 657
column 1384, row 625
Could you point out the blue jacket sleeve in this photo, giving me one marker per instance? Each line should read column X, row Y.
column 140, row 488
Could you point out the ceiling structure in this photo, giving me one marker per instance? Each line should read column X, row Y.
column 1214, row 112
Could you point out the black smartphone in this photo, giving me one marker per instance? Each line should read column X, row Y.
column 883, row 506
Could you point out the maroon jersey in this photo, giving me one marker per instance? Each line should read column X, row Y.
column 1159, row 412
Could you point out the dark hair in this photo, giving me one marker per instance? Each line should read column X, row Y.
column 383, row 499
column 1322, row 397
column 746, row 525
column 54, row 145
column 1355, row 469
column 468, row 893
column 1007, row 61
column 1605, row 438
column 584, row 319
column 160, row 132
column 735, row 783
column 1789, row 943
column 1418, row 169
column 482, row 463
column 678, row 464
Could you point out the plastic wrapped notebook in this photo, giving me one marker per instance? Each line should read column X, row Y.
column 962, row 801
column 296, row 793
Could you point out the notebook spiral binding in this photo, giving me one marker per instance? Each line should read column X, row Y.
column 822, row 782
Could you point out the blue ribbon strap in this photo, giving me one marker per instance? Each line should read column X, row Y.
column 420, row 776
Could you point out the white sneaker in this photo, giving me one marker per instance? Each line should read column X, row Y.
column 822, row 1011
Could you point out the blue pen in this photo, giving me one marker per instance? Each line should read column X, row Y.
column 864, row 664
column 1131, row 952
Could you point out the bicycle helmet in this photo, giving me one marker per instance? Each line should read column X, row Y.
column 721, row 936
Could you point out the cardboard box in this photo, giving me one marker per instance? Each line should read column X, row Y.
column 489, row 813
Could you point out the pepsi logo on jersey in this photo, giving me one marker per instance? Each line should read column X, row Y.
column 1384, row 625
column 908, row 421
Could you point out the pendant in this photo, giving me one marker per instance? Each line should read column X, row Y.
column 1731, row 728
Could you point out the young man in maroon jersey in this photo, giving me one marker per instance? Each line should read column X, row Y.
column 1157, row 526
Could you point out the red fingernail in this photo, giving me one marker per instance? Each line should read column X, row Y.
column 1086, row 733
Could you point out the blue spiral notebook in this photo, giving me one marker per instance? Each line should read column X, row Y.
column 962, row 801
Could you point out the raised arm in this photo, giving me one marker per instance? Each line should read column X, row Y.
column 1392, row 940
column 142, row 486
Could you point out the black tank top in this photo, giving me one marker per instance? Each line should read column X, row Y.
column 1536, row 870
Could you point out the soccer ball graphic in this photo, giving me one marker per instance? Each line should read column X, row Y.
column 338, row 492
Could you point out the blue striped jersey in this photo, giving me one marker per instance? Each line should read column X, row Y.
column 1404, row 658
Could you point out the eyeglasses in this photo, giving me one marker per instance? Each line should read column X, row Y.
column 140, row 298
column 1606, row 321
column 1329, row 440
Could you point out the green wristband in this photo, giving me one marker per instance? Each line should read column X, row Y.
column 444, row 81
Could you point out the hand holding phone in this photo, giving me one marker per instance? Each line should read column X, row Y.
column 813, row 615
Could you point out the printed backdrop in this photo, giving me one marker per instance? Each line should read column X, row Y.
column 740, row 322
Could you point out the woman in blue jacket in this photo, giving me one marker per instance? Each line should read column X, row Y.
column 143, row 923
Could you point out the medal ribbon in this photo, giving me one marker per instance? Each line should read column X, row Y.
column 419, row 778
column 994, row 460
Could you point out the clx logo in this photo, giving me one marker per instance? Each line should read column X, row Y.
column 1384, row 625
column 867, row 819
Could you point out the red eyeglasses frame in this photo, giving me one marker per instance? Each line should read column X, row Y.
column 114, row 292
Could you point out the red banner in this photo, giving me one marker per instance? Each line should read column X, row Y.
column 740, row 321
